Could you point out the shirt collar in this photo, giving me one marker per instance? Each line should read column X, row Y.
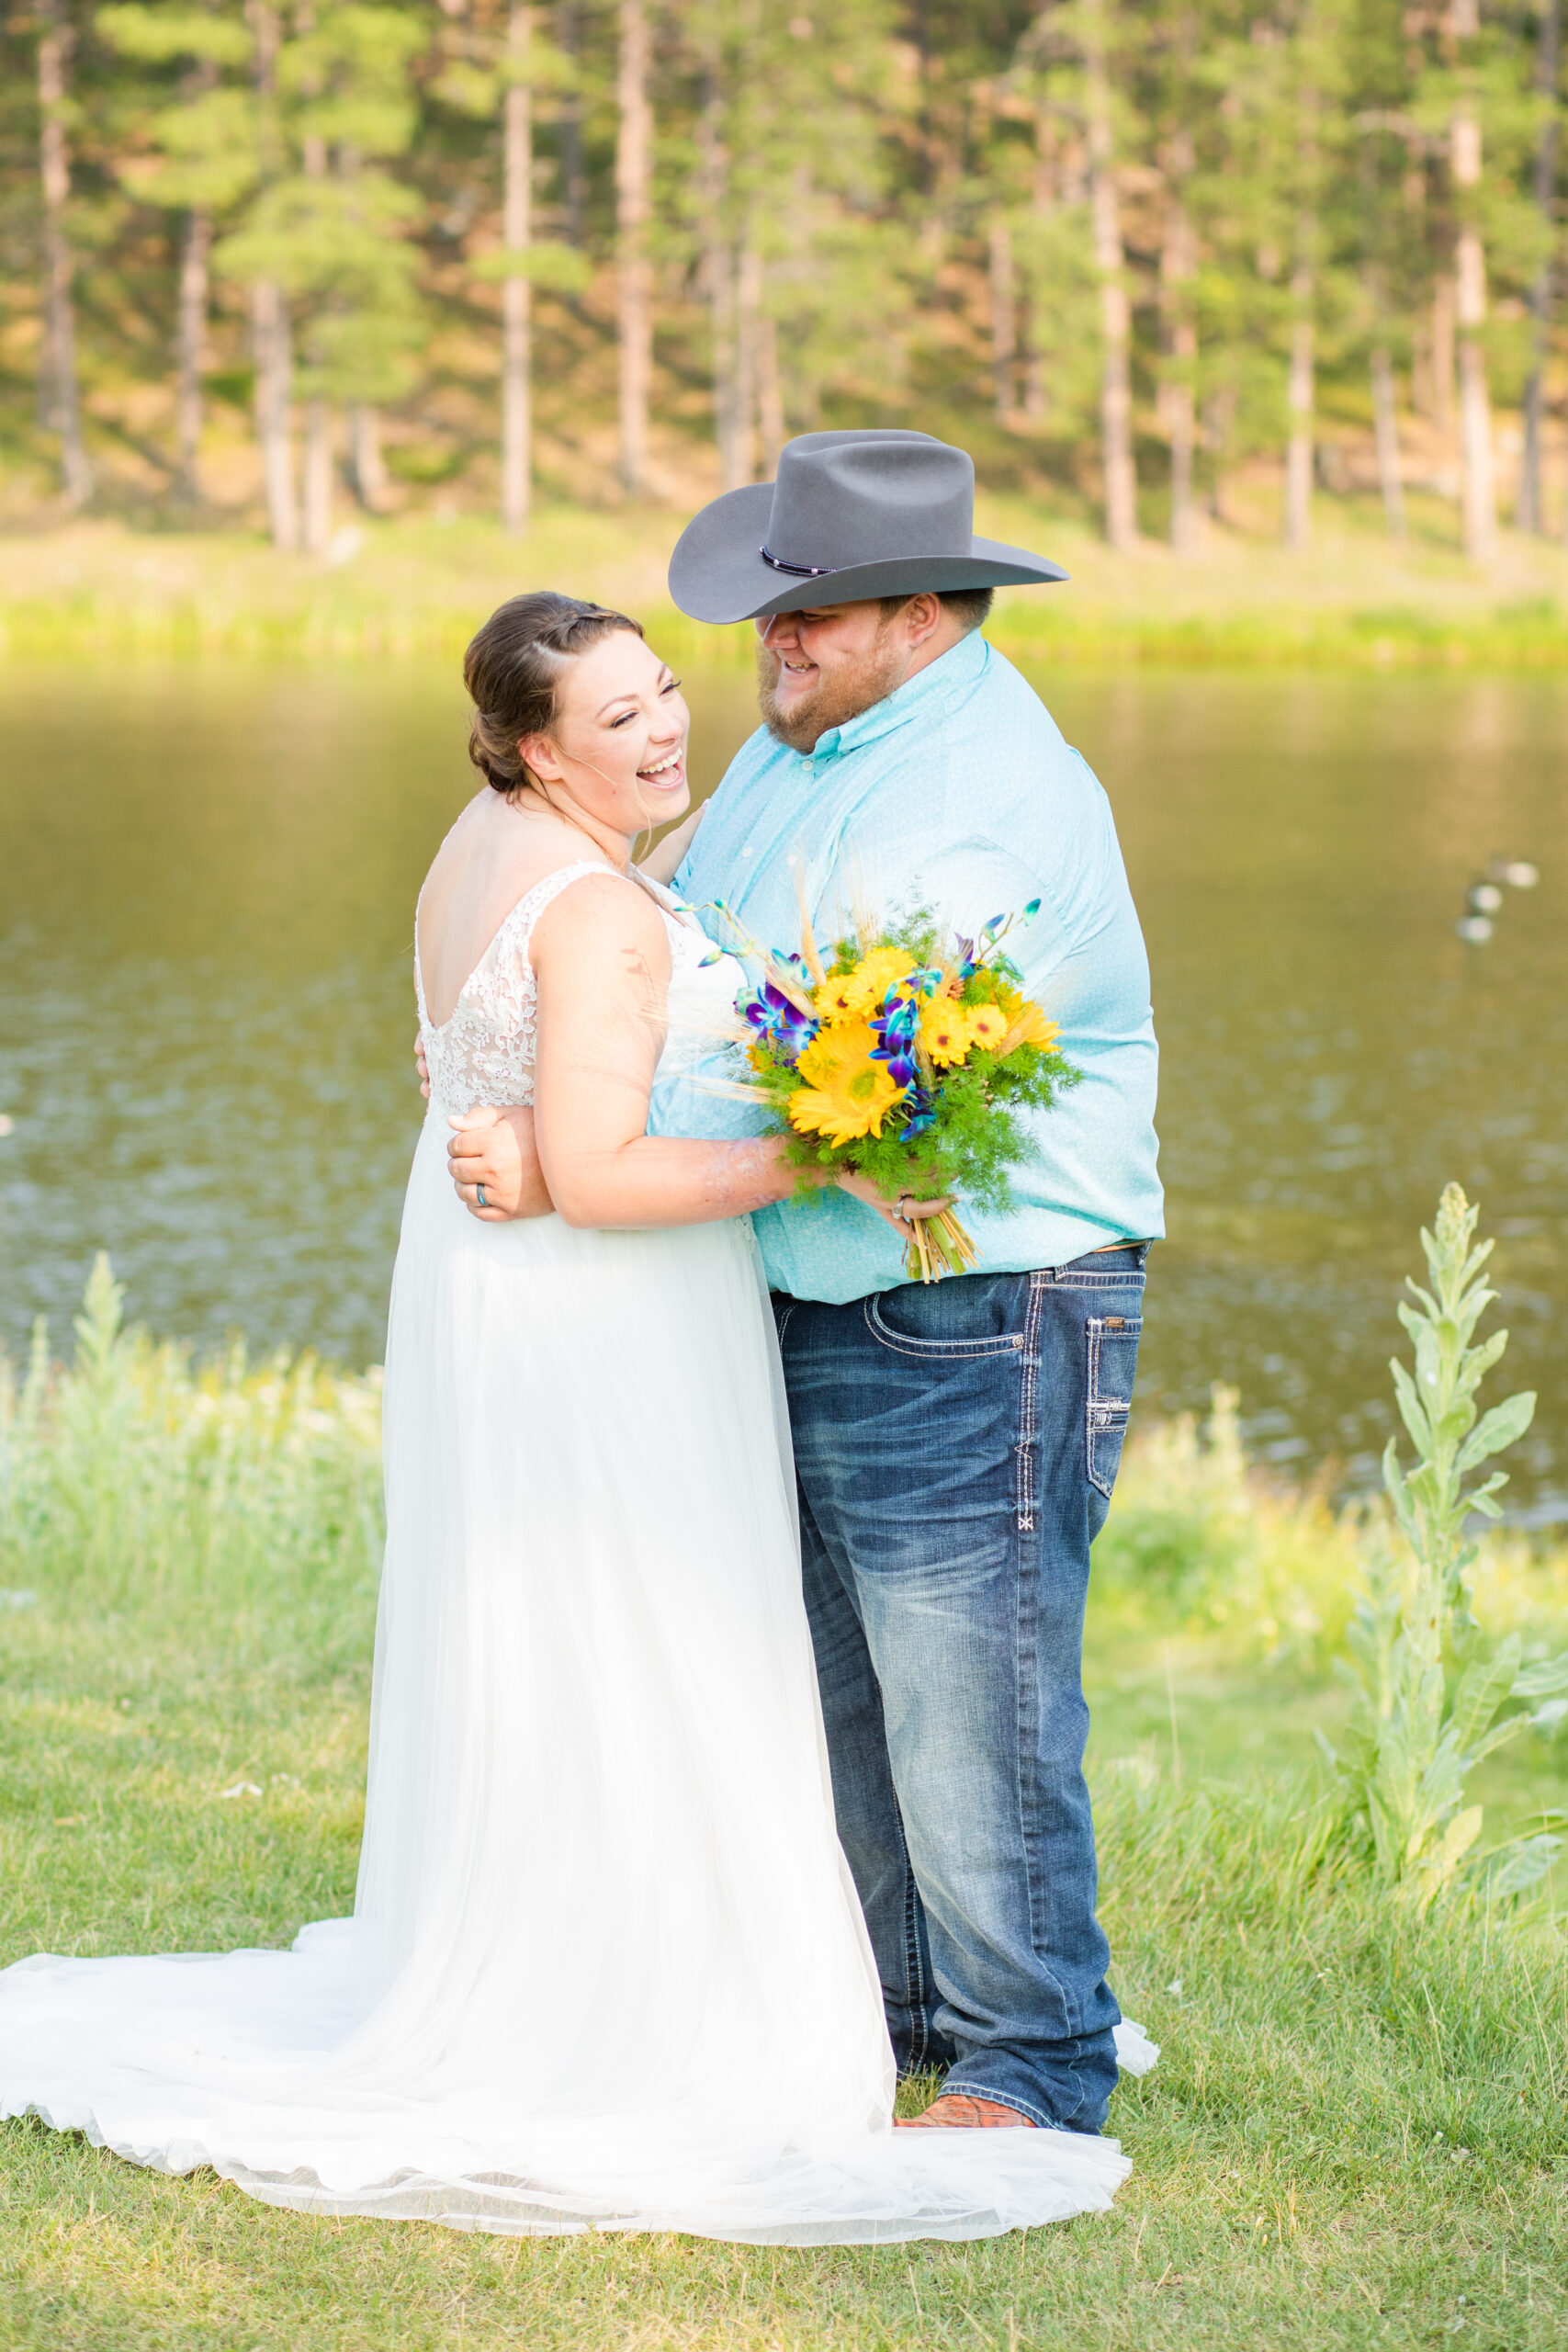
column 929, row 695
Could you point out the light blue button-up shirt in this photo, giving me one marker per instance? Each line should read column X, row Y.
column 955, row 793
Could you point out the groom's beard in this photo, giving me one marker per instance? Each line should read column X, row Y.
column 836, row 699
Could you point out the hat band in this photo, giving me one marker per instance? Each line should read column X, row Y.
column 800, row 571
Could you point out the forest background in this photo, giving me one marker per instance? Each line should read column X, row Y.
column 1167, row 265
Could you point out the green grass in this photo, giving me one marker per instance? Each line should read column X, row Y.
column 1355, row 2135
column 421, row 584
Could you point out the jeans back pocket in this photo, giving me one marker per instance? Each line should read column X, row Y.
column 1113, row 1364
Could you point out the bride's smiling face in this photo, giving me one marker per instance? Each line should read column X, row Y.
column 617, row 750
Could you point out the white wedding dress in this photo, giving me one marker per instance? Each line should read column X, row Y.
column 605, row 1966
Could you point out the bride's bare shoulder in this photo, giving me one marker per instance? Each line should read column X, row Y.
column 493, row 843
column 489, row 862
column 605, row 918
column 491, row 858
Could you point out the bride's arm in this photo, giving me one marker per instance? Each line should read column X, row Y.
column 601, row 957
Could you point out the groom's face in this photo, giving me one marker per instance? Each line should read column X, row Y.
column 820, row 668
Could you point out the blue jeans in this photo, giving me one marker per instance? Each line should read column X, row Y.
column 956, row 1446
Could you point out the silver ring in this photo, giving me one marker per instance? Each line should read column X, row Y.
column 481, row 1190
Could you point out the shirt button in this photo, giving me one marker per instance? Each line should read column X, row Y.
column 747, row 849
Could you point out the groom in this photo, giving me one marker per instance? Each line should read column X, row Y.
column 956, row 1445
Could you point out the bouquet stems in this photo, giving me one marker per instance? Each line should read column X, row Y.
column 940, row 1246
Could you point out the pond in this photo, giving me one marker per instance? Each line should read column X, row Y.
column 207, row 882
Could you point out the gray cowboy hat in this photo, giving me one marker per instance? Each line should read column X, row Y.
column 851, row 515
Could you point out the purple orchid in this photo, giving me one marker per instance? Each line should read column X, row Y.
column 895, row 1026
column 779, row 1022
column 922, row 1110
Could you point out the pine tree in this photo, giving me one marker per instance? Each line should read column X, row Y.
column 60, row 391
column 634, row 274
column 323, row 244
column 516, row 421
column 1531, row 513
column 798, row 274
column 1201, row 231
column 1111, row 268
column 1470, row 302
column 200, row 157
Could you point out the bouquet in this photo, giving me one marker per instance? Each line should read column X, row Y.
column 908, row 1057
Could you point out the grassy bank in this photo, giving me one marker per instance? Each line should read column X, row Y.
column 420, row 583
column 1355, row 2136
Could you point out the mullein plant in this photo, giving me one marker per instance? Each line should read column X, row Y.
column 1429, row 1689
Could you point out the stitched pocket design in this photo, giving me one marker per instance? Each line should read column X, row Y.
column 909, row 1343
column 1112, row 1362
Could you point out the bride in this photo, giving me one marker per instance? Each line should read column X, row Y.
column 605, row 1966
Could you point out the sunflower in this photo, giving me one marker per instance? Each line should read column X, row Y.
column 834, row 1001
column 987, row 1026
column 857, row 991
column 1027, row 1024
column 846, row 1093
column 946, row 1031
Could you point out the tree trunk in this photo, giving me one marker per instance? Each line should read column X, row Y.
column 1531, row 514
column 573, row 174
column 195, row 246
column 1219, row 419
column 318, row 475
column 1480, row 494
column 1300, row 394
column 634, row 167
column 1178, row 266
column 772, row 428
column 516, row 422
column 274, row 357
column 1443, row 352
column 366, row 463
column 271, row 343
column 1031, row 359
column 318, row 453
column 61, row 400
column 1298, row 454
column 1042, row 204
column 747, row 329
column 1004, row 322
column 1115, row 319
column 1183, row 511
column 1386, row 423
column 718, row 273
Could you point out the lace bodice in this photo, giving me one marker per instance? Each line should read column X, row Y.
column 484, row 1052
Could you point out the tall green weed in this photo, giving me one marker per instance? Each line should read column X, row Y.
column 1431, row 1685
column 138, row 1478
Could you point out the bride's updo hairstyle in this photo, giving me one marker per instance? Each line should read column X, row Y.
column 513, row 671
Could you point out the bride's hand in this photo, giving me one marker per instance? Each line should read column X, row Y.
column 901, row 1213
column 493, row 1151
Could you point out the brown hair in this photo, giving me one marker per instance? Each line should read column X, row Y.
column 970, row 606
column 513, row 671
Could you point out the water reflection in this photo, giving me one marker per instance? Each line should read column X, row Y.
column 206, row 902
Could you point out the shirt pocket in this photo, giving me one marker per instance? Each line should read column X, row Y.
column 1113, row 1365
